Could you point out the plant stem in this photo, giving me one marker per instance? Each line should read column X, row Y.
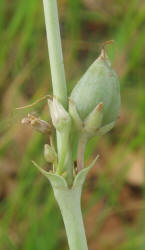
column 55, row 51
column 81, row 151
column 67, row 198
column 69, row 203
column 56, row 59
column 65, row 161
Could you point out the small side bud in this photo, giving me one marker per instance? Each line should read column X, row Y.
column 94, row 119
column 50, row 154
column 60, row 117
column 74, row 114
column 37, row 124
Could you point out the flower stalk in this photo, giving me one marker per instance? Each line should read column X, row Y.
column 82, row 142
column 55, row 51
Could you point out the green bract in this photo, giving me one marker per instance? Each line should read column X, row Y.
column 99, row 84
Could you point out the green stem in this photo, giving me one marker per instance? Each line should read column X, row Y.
column 68, row 199
column 65, row 160
column 55, row 51
column 69, row 203
column 56, row 59
column 81, row 151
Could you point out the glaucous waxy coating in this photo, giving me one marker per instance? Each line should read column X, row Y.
column 99, row 84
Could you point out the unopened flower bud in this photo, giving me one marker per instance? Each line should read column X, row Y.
column 50, row 154
column 60, row 117
column 37, row 124
column 99, row 84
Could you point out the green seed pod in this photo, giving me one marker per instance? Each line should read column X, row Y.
column 99, row 84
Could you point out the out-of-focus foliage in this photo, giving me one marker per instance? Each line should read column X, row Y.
column 113, row 199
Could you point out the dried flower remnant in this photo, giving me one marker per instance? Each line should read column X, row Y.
column 37, row 124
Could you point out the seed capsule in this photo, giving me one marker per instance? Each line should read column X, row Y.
column 99, row 84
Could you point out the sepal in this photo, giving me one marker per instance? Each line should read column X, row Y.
column 94, row 119
column 105, row 129
column 75, row 115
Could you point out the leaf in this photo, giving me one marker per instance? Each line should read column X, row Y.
column 80, row 178
column 56, row 181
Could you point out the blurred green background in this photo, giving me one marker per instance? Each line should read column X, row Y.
column 114, row 194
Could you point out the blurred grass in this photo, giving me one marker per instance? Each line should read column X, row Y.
column 29, row 215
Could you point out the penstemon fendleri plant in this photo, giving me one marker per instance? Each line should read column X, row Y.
column 91, row 110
